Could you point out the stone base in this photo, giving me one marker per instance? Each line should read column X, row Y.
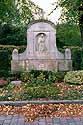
column 41, row 64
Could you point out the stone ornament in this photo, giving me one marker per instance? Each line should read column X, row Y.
column 15, row 54
column 67, row 53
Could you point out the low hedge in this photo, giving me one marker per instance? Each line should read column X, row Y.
column 6, row 56
column 74, row 77
column 39, row 77
column 73, row 95
column 77, row 58
column 48, row 91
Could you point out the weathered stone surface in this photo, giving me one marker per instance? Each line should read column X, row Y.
column 68, row 54
column 17, row 82
column 19, row 120
column 41, row 52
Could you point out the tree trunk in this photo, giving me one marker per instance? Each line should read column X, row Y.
column 81, row 28
column 81, row 31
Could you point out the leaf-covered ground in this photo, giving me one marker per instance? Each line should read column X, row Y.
column 55, row 91
column 32, row 112
column 71, row 92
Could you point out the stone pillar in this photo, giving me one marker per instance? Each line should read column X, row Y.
column 14, row 62
column 68, row 54
column 68, row 59
column 15, row 55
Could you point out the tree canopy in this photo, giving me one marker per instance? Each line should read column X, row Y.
column 72, row 13
column 18, row 11
column 68, row 35
column 71, row 10
column 14, row 17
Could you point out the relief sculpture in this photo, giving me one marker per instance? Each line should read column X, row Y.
column 40, row 44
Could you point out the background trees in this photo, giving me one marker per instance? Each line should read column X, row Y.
column 16, row 14
column 14, row 17
column 18, row 11
column 72, row 13
column 68, row 35
column 8, row 11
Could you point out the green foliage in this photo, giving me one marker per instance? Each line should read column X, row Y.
column 47, row 91
column 73, row 95
column 25, row 76
column 4, row 63
column 5, row 97
column 4, row 73
column 7, row 92
column 35, row 77
column 77, row 58
column 72, row 14
column 70, row 10
column 8, row 11
column 9, row 87
column 16, row 35
column 29, row 92
column 5, row 58
column 68, row 35
column 39, row 79
column 74, row 77
column 15, row 12
column 18, row 12
column 14, row 76
column 12, row 35
column 60, row 76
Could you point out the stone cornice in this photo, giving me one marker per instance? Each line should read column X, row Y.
column 41, row 20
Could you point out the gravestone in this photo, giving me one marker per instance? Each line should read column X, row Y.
column 41, row 52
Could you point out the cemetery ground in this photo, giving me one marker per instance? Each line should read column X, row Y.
column 42, row 85
column 38, row 88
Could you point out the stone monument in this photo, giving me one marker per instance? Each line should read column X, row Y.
column 41, row 52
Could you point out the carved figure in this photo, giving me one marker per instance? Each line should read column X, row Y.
column 41, row 43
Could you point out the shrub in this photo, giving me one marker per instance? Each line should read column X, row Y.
column 12, row 35
column 14, row 76
column 74, row 77
column 10, row 87
column 25, row 76
column 44, row 76
column 47, row 91
column 5, row 58
column 76, row 58
column 71, row 36
column 35, row 77
column 60, row 76
column 4, row 73
column 5, row 97
column 73, row 95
